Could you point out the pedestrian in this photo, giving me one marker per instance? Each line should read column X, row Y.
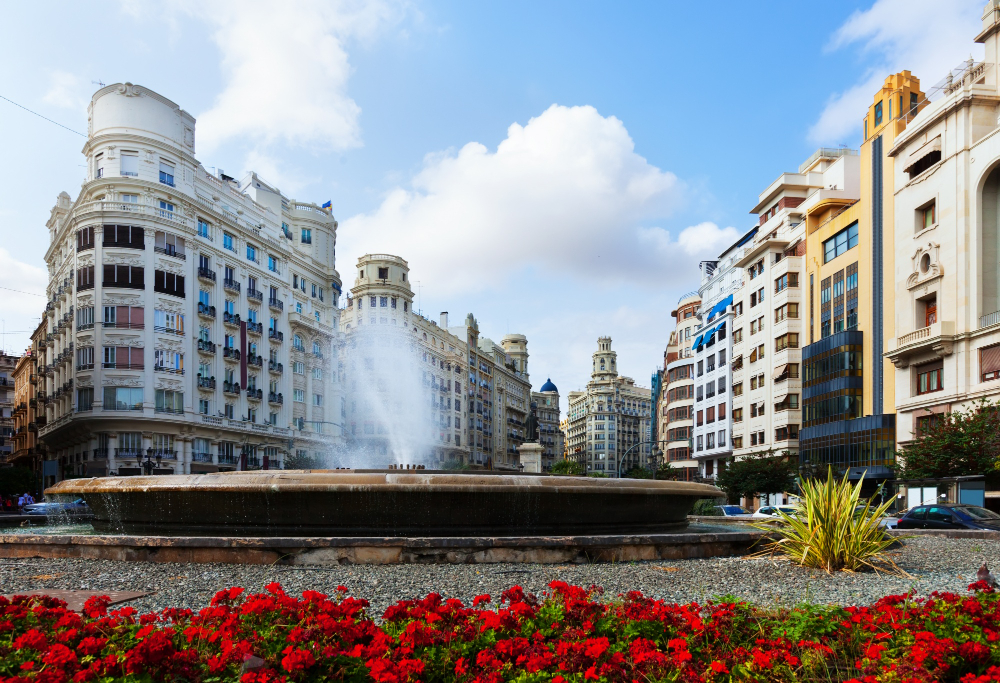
column 20, row 502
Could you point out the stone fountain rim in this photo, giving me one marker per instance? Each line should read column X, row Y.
column 292, row 481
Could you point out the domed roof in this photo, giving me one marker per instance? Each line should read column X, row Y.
column 549, row 386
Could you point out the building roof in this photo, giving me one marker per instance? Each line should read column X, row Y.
column 549, row 386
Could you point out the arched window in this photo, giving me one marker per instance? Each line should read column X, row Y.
column 989, row 245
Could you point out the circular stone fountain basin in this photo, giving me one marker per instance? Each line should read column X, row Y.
column 384, row 503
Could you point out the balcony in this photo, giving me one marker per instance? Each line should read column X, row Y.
column 255, row 294
column 206, row 383
column 205, row 310
column 255, row 359
column 934, row 341
column 231, row 284
column 198, row 456
column 276, row 304
column 230, row 353
column 255, row 394
column 206, row 274
column 231, row 318
column 230, row 387
column 275, row 367
column 170, row 250
column 255, row 328
column 275, row 397
column 206, row 346
column 276, row 335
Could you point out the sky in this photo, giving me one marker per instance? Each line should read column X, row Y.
column 557, row 169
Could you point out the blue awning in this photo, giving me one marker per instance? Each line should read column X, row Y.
column 720, row 307
column 335, row 286
column 697, row 342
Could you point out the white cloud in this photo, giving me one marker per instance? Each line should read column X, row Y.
column 66, row 90
column 926, row 37
column 20, row 310
column 564, row 194
column 286, row 69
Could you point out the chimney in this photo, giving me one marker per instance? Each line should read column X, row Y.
column 444, row 320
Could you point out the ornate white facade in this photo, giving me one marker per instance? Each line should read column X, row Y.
column 192, row 318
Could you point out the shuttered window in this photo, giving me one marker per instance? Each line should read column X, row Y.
column 989, row 362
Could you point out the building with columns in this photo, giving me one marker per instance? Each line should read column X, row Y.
column 192, row 318
column 609, row 422
column 550, row 436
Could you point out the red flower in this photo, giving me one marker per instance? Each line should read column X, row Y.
column 297, row 659
column 719, row 668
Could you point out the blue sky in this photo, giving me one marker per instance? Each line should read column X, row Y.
column 556, row 168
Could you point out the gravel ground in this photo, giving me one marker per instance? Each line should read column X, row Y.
column 934, row 563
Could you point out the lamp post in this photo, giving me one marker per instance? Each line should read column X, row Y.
column 618, row 468
column 148, row 464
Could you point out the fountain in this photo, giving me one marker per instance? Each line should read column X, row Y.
column 385, row 503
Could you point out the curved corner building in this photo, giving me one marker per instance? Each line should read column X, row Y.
column 192, row 318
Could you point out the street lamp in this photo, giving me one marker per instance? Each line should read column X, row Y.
column 625, row 455
column 148, row 465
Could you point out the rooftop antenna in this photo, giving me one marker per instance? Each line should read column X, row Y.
column 98, row 82
column 420, row 308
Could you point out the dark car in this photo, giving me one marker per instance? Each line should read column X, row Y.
column 949, row 516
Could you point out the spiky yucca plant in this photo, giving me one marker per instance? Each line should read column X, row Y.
column 826, row 532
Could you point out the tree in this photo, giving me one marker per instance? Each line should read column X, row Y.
column 956, row 444
column 757, row 474
column 567, row 467
column 15, row 480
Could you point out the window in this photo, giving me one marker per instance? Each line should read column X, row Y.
column 130, row 164
column 85, row 358
column 124, row 236
column 929, row 378
column 169, row 244
column 168, row 401
column 124, row 317
column 878, row 113
column 85, row 278
column 318, row 400
column 299, row 395
column 787, row 341
column 840, row 243
column 228, row 242
column 926, row 216
column 229, row 411
column 252, row 253
column 722, row 439
column 166, row 208
column 383, row 273
column 127, row 277
column 989, row 363
column 85, row 239
column 84, row 399
column 168, row 283
column 85, row 318
column 272, row 264
column 786, row 311
column 204, row 229
column 168, row 361
column 737, row 415
column 166, row 173
column 166, row 321
column 297, row 343
column 738, row 389
column 785, row 281
column 122, row 398
column 307, row 236
column 738, row 336
column 316, row 349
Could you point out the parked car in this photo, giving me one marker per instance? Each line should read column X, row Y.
column 949, row 516
column 886, row 521
column 75, row 507
column 732, row 510
column 771, row 511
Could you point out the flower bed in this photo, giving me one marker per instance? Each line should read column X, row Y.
column 569, row 634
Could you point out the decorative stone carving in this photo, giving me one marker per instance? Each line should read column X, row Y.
column 170, row 345
column 169, row 306
column 121, row 381
column 84, row 381
column 122, row 260
column 85, row 260
column 110, row 154
column 129, row 90
column 926, row 263
column 171, row 384
column 123, row 341
column 111, row 299
column 169, row 266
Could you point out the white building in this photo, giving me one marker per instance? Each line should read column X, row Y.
column 191, row 317
column 770, row 328
column 945, row 167
column 609, row 421
column 712, row 351
column 550, row 437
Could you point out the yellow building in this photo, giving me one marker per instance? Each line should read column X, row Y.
column 848, row 416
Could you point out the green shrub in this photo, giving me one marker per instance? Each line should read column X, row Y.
column 825, row 532
column 707, row 507
column 567, row 467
